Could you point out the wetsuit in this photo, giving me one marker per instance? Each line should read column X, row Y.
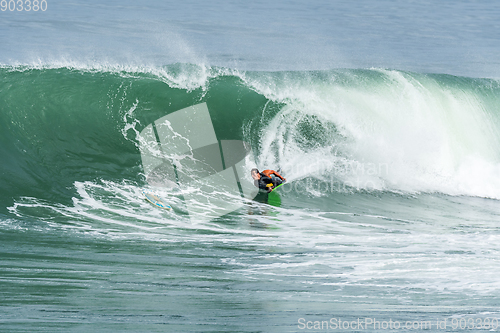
column 268, row 177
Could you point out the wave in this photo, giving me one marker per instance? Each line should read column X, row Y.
column 329, row 131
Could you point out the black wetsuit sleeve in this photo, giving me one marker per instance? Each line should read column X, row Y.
column 260, row 184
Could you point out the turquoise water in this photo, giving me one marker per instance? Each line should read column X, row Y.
column 382, row 116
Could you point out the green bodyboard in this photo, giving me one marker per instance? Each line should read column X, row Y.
column 273, row 198
column 277, row 187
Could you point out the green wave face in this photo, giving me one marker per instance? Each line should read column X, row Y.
column 357, row 129
column 62, row 125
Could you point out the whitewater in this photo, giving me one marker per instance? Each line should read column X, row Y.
column 389, row 220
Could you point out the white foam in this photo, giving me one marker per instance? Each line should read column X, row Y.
column 182, row 76
column 394, row 131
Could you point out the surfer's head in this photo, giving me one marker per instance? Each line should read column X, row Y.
column 255, row 174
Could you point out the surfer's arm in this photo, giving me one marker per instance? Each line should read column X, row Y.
column 277, row 174
column 268, row 173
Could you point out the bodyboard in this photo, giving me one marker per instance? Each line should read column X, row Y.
column 273, row 198
column 277, row 187
column 155, row 200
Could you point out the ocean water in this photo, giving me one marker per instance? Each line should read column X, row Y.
column 384, row 116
